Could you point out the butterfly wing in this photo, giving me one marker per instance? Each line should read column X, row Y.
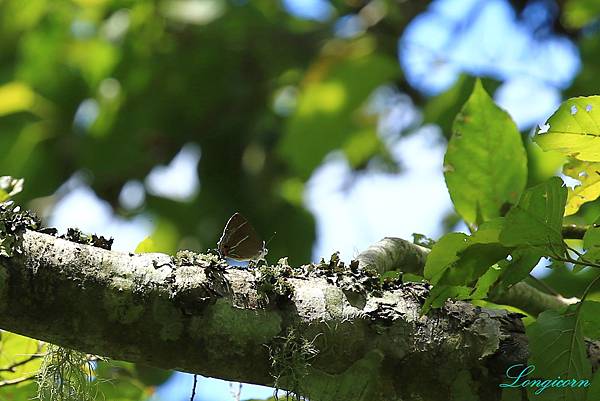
column 239, row 240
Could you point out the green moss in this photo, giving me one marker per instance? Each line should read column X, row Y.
column 65, row 375
column 13, row 222
column 169, row 318
column 76, row 235
column 189, row 258
column 237, row 327
column 290, row 361
column 272, row 281
column 121, row 306
column 334, row 302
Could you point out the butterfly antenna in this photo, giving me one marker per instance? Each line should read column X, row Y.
column 272, row 236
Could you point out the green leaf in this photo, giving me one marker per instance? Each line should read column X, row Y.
column 574, row 129
column 163, row 239
column 594, row 390
column 118, row 381
column 522, row 262
column 591, row 242
column 485, row 164
column 329, row 112
column 588, row 174
column 443, row 254
column 15, row 97
column 578, row 13
column 558, row 350
column 590, row 311
column 485, row 282
column 458, row 259
column 441, row 293
column 464, row 267
column 146, row 246
column 536, row 221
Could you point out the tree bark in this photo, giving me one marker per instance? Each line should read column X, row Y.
column 326, row 331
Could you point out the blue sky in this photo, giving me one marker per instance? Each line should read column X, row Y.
column 433, row 51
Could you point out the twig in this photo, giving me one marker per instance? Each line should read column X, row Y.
column 544, row 285
column 573, row 231
column 18, row 380
column 32, row 357
column 194, row 388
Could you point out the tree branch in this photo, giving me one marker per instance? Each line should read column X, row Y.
column 191, row 314
column 398, row 254
column 573, row 231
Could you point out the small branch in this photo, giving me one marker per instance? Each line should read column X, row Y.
column 32, row 357
column 573, row 231
column 174, row 312
column 18, row 380
column 398, row 254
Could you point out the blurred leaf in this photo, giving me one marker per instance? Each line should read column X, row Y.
column 574, row 129
column 328, row 112
column 198, row 12
column 558, row 350
column 152, row 376
column 146, row 246
column 164, row 239
column 15, row 349
column 579, row 13
column 485, row 164
column 95, row 59
column 10, row 187
column 536, row 221
column 15, row 97
column 588, row 174
column 361, row 146
column 542, row 165
column 118, row 381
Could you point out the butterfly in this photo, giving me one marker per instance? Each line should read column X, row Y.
column 240, row 241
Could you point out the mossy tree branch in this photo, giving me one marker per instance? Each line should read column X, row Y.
column 200, row 318
column 398, row 254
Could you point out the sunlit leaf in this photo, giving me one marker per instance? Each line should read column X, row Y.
column 574, row 129
column 23, row 355
column 542, row 165
column 485, row 165
column 522, row 261
column 459, row 259
column 465, row 267
column 537, row 219
column 146, row 246
column 588, row 174
column 15, row 97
